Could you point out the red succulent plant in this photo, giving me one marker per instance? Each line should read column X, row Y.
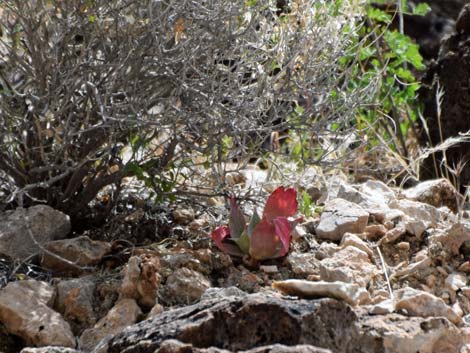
column 263, row 238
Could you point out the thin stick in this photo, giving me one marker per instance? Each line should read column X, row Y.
column 384, row 269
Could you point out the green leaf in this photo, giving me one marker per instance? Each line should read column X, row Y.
column 255, row 219
column 421, row 9
column 244, row 243
column 378, row 15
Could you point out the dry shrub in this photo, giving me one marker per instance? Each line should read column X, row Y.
column 93, row 91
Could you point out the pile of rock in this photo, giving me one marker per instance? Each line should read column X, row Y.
column 187, row 298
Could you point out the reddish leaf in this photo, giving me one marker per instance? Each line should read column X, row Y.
column 264, row 243
column 219, row 234
column 221, row 237
column 281, row 203
column 283, row 229
column 237, row 221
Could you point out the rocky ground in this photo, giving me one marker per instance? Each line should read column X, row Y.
column 372, row 269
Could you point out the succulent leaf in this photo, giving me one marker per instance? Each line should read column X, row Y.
column 219, row 234
column 237, row 221
column 283, row 230
column 244, row 243
column 221, row 237
column 255, row 219
column 264, row 242
column 281, row 203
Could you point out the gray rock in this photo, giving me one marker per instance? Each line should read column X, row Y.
column 242, row 323
column 255, row 323
column 340, row 216
column 24, row 230
column 420, row 303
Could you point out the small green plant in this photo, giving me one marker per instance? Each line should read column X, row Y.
column 306, row 205
column 388, row 60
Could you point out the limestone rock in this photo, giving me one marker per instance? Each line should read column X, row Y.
column 351, row 265
column 303, row 264
column 395, row 333
column 79, row 253
column 418, row 211
column 50, row 349
column 350, row 293
column 350, row 239
column 123, row 314
column 437, row 193
column 340, row 216
column 141, row 280
column 25, row 313
column 186, row 286
column 456, row 281
column 420, row 303
column 41, row 222
column 453, row 237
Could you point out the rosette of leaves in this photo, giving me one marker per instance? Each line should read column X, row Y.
column 265, row 237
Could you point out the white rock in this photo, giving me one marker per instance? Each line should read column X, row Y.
column 340, row 216
column 350, row 293
column 384, row 307
column 269, row 268
column 379, row 191
column 24, row 312
column 456, row 281
column 453, row 237
column 350, row 239
column 418, row 211
column 414, row 226
column 412, row 335
column 439, row 192
column 351, row 265
column 423, row 304
column 49, row 349
column 412, row 268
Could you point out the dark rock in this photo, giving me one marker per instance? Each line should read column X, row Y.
column 451, row 74
column 242, row 323
column 462, row 25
